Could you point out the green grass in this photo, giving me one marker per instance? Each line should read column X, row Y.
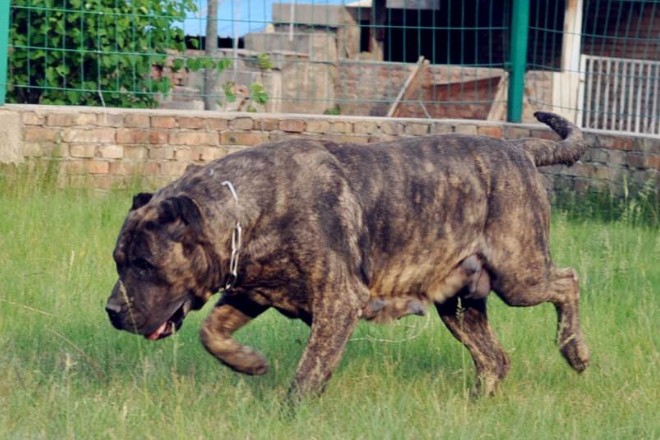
column 65, row 373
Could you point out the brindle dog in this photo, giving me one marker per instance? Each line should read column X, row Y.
column 469, row 278
column 324, row 232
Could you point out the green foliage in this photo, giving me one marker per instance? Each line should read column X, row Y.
column 333, row 111
column 199, row 63
column 264, row 62
column 258, row 95
column 249, row 97
column 93, row 52
column 641, row 208
column 229, row 90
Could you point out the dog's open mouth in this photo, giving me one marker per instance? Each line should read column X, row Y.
column 171, row 325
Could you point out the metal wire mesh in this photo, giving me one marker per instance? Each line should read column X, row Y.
column 593, row 60
column 614, row 83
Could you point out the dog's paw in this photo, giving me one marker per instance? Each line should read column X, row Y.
column 576, row 352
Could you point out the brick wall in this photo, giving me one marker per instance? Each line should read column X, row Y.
column 105, row 147
column 622, row 30
column 444, row 91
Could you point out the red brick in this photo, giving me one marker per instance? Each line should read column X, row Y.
column 277, row 136
column 216, row 124
column 185, row 154
column 515, row 132
column 267, row 124
column 135, row 120
column 292, row 125
column 97, row 166
column 32, row 118
column 60, row 119
column 39, row 134
column 417, row 129
column 123, row 168
column 158, row 137
column 318, row 127
column 82, row 150
column 161, row 153
column 622, row 143
column 163, row 121
column 391, row 128
column 111, row 151
column 650, row 145
column 441, row 128
column 616, row 142
column 141, row 136
column 150, row 168
column 212, row 153
column 365, row 127
column 85, row 119
column 242, row 123
column 111, row 120
column 98, row 135
column 490, row 131
column 34, row 149
column 248, row 138
column 133, row 136
column 644, row 161
column 73, row 167
column 605, row 173
column 342, row 127
column 653, row 162
column 135, row 153
column 188, row 122
column 193, row 138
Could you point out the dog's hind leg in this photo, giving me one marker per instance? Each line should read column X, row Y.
column 468, row 322
column 560, row 287
column 566, row 294
column 230, row 314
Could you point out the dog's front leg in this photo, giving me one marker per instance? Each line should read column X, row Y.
column 332, row 326
column 230, row 314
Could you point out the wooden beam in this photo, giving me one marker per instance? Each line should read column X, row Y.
column 498, row 108
column 572, row 36
column 412, row 84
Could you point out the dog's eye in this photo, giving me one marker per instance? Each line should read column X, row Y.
column 142, row 265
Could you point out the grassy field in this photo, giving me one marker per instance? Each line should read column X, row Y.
column 65, row 373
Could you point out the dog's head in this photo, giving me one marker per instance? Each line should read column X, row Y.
column 165, row 265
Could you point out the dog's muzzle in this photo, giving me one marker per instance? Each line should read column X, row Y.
column 114, row 314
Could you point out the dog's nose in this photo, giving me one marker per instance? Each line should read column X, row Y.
column 114, row 314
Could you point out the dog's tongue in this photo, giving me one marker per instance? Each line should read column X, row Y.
column 159, row 331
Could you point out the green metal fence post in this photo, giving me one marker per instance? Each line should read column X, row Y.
column 4, row 47
column 519, row 35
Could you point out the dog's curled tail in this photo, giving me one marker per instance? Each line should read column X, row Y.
column 565, row 152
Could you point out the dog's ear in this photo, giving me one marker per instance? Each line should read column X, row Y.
column 192, row 167
column 141, row 199
column 180, row 208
